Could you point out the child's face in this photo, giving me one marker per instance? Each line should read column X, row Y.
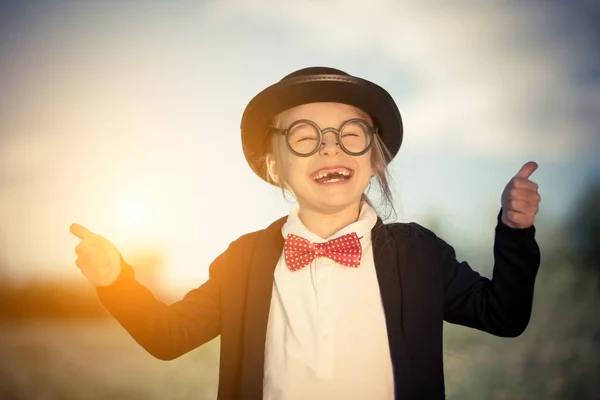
column 300, row 173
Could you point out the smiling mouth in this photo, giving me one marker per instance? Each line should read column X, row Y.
column 332, row 175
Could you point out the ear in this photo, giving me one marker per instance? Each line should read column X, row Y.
column 272, row 170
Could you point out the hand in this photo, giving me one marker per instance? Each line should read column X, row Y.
column 520, row 199
column 98, row 259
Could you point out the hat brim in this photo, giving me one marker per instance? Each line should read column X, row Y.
column 292, row 92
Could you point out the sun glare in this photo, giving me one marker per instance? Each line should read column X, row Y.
column 134, row 211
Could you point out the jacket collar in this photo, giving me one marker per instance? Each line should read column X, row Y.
column 264, row 259
column 391, row 263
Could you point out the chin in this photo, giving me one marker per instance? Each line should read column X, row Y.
column 334, row 201
column 330, row 197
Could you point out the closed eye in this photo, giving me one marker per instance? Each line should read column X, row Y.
column 306, row 138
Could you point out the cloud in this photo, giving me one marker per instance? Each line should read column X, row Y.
column 498, row 79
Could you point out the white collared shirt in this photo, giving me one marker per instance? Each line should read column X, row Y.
column 326, row 334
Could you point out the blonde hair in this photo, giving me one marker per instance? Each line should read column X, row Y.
column 380, row 159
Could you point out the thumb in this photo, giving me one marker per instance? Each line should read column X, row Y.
column 79, row 231
column 527, row 169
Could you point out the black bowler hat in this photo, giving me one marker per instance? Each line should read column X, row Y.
column 312, row 85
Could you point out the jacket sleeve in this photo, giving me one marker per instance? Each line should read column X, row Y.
column 167, row 331
column 500, row 306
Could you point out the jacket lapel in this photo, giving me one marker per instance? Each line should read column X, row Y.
column 266, row 254
column 389, row 257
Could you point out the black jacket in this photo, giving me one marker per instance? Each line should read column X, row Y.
column 421, row 283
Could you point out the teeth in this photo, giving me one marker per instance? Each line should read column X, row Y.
column 324, row 174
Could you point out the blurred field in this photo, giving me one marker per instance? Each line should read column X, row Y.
column 96, row 360
column 556, row 358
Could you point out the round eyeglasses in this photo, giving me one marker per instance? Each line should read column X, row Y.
column 304, row 137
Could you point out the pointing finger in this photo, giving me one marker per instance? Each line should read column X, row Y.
column 79, row 231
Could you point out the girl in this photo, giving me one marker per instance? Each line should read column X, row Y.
column 329, row 302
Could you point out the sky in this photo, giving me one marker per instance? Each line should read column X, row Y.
column 125, row 117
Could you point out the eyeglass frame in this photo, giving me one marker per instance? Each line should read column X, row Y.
column 373, row 130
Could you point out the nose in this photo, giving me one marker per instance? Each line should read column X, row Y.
column 329, row 145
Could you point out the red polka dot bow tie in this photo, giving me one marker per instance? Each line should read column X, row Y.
column 345, row 250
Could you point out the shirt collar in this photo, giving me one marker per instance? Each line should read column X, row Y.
column 362, row 226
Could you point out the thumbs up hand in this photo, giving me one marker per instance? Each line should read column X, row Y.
column 520, row 199
column 98, row 259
